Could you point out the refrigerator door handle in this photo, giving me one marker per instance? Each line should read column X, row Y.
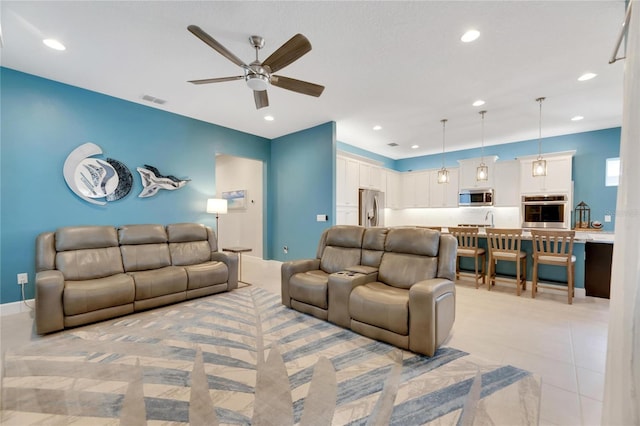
column 374, row 219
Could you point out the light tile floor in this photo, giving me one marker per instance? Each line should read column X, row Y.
column 565, row 344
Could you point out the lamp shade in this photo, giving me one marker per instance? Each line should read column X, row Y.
column 216, row 205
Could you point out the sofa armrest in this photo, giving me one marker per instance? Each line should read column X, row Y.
column 49, row 309
column 231, row 260
column 291, row 268
column 432, row 310
column 339, row 288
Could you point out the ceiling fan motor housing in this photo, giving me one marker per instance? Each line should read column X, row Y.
column 258, row 79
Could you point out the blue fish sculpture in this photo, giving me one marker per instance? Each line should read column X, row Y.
column 153, row 181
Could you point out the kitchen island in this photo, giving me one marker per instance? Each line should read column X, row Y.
column 548, row 274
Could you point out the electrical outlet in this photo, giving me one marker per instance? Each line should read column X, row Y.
column 285, row 249
column 23, row 278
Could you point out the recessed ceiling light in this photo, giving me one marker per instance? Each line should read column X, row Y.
column 54, row 44
column 415, row 146
column 268, row 117
column 577, row 118
column 377, row 127
column 479, row 102
column 470, row 35
column 586, row 76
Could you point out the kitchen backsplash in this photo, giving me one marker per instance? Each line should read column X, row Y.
column 503, row 217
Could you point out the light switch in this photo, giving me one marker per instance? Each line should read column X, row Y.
column 322, row 218
column 607, row 218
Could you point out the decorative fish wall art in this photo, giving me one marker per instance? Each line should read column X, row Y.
column 95, row 180
column 153, row 181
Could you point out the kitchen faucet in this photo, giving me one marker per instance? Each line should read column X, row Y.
column 486, row 216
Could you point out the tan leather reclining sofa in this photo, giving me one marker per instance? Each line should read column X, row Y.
column 92, row 273
column 391, row 284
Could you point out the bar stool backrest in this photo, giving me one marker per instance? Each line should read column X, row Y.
column 467, row 237
column 504, row 240
column 553, row 245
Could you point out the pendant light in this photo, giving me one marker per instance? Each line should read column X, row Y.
column 482, row 172
column 539, row 167
column 443, row 173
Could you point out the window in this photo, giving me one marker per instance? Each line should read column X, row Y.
column 613, row 172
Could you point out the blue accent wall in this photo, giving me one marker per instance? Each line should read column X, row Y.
column 43, row 121
column 303, row 182
column 387, row 162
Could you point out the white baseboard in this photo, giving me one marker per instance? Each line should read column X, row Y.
column 16, row 307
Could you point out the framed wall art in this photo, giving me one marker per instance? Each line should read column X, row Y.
column 236, row 200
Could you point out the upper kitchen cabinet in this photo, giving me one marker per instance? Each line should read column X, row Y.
column 392, row 191
column 558, row 178
column 347, row 181
column 468, row 170
column 443, row 194
column 371, row 177
column 506, row 183
column 415, row 189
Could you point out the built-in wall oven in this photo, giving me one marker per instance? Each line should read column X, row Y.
column 545, row 211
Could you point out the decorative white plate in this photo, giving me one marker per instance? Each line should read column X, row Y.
column 95, row 178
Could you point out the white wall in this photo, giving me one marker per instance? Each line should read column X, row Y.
column 241, row 227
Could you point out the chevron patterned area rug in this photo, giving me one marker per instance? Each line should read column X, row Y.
column 243, row 358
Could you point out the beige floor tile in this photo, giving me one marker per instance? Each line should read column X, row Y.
column 559, row 406
column 590, row 383
column 591, row 411
column 553, row 372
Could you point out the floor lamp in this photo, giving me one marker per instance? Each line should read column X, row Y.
column 217, row 206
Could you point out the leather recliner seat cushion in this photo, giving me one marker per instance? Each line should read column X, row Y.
column 84, row 296
column 206, row 274
column 382, row 306
column 159, row 282
column 310, row 288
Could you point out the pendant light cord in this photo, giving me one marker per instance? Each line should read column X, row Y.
column 444, row 120
column 540, row 129
column 482, row 113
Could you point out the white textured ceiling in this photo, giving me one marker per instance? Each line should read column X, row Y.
column 397, row 64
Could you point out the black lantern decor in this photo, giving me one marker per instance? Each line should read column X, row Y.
column 583, row 216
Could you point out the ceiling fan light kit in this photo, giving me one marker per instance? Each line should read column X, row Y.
column 258, row 75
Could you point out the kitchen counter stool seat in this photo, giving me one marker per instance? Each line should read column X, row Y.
column 504, row 245
column 468, row 247
column 553, row 248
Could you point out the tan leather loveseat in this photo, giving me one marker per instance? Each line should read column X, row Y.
column 391, row 284
column 91, row 273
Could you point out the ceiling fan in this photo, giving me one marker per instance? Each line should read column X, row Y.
column 259, row 75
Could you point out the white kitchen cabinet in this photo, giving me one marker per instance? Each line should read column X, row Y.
column 557, row 180
column 346, row 215
column 370, row 176
column 468, row 169
column 506, row 183
column 444, row 194
column 415, row 189
column 347, row 180
column 392, row 190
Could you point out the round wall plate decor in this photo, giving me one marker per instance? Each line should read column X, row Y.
column 95, row 178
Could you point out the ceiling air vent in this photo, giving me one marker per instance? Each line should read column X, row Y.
column 392, row 144
column 155, row 100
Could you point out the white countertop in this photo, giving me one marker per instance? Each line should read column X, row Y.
column 581, row 236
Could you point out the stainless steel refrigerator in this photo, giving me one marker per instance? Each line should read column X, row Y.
column 371, row 208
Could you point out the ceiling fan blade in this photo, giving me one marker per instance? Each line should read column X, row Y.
column 293, row 49
column 216, row 80
column 261, row 98
column 198, row 32
column 299, row 86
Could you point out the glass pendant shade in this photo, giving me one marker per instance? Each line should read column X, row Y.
column 482, row 172
column 443, row 175
column 539, row 167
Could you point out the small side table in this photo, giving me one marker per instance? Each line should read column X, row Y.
column 238, row 251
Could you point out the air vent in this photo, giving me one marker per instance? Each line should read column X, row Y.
column 155, row 100
column 392, row 144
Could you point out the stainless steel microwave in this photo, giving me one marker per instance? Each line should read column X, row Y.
column 475, row 197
